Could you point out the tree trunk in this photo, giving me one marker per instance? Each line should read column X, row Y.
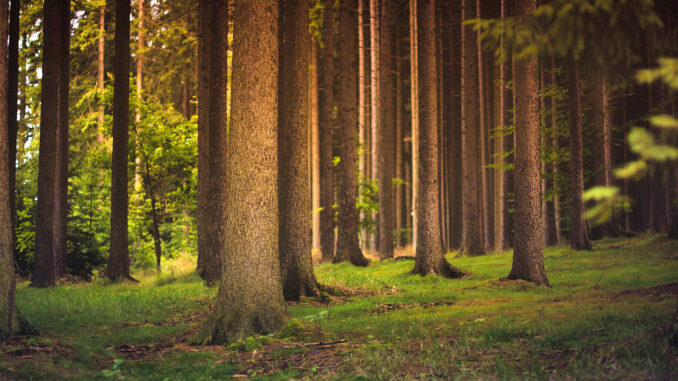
column 385, row 142
column 12, row 95
column 157, row 243
column 315, row 146
column 415, row 118
column 61, row 187
column 202, row 203
column 326, row 121
column 556, row 146
column 101, row 72
column 472, row 240
column 528, row 256
column 502, row 240
column 45, row 267
column 9, row 321
column 429, row 258
column 118, row 258
column 399, row 202
column 548, row 206
column 375, row 114
column 250, row 299
column 348, row 247
column 579, row 239
column 218, row 143
column 483, row 142
column 455, row 149
column 296, row 263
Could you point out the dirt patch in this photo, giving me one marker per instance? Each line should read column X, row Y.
column 141, row 352
column 33, row 348
column 394, row 306
column 664, row 289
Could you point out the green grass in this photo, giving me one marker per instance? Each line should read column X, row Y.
column 579, row 328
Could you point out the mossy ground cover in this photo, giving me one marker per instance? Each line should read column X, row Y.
column 611, row 313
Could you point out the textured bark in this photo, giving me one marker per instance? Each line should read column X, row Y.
column 296, row 264
column 315, row 145
column 8, row 314
column 485, row 220
column 363, row 21
column 250, row 299
column 502, row 232
column 118, row 259
column 45, row 267
column 348, row 247
column 100, row 72
column 326, row 121
column 375, row 114
column 415, row 118
column 455, row 149
column 12, row 92
column 528, row 256
column 385, row 142
column 218, row 141
column 61, row 177
column 429, row 258
column 472, row 239
column 579, row 239
column 202, row 203
column 399, row 200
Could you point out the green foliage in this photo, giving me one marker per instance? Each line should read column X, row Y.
column 367, row 204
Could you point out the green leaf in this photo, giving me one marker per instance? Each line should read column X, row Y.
column 664, row 121
column 632, row 169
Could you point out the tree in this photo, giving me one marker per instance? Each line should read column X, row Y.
column 385, row 142
column 9, row 321
column 202, row 202
column 46, row 266
column 472, row 242
column 348, row 247
column 250, row 298
column 12, row 89
column 528, row 256
column 293, row 187
column 429, row 257
column 326, row 122
column 117, row 267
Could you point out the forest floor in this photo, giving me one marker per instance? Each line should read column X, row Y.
column 611, row 313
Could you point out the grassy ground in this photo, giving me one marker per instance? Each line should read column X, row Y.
column 610, row 314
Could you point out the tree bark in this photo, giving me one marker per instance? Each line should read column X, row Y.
column 502, row 240
column 579, row 239
column 118, row 259
column 202, row 203
column 528, row 256
column 399, row 201
column 485, row 220
column 348, row 247
column 250, row 299
column 315, row 145
column 363, row 20
column 326, row 121
column 101, row 72
column 415, row 118
column 12, row 95
column 429, row 258
column 385, row 142
column 9, row 320
column 219, row 159
column 548, row 206
column 61, row 187
column 46, row 266
column 472, row 239
column 455, row 148
column 296, row 264
column 375, row 114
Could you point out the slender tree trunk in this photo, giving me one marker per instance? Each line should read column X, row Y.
column 429, row 257
column 218, row 143
column 472, row 240
column 375, row 115
column 157, row 243
column 579, row 239
column 455, row 149
column 315, row 145
column 101, row 72
column 202, row 203
column 385, row 142
column 483, row 143
column 348, row 248
column 528, row 256
column 415, row 118
column 46, row 266
column 118, row 258
column 12, row 95
column 9, row 320
column 326, row 121
column 61, row 188
column 363, row 6
column 548, row 206
column 296, row 263
column 600, row 143
column 502, row 232
column 399, row 166
column 141, row 45
column 556, row 146
column 250, row 299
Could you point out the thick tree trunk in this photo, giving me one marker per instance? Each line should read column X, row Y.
column 472, row 240
column 326, row 121
column 202, row 203
column 250, row 299
column 385, row 142
column 348, row 247
column 296, row 264
column 579, row 239
column 45, row 267
column 61, row 187
column 9, row 321
column 12, row 93
column 528, row 256
column 118, row 259
column 429, row 257
column 218, row 142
